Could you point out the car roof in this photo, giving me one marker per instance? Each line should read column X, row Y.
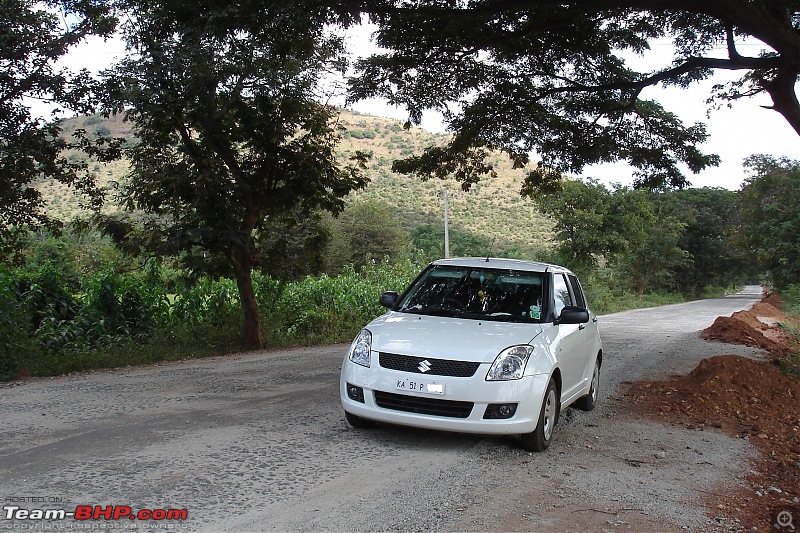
column 499, row 262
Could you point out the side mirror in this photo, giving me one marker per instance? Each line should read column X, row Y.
column 573, row 315
column 389, row 298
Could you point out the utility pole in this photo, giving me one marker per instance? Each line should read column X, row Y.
column 446, row 230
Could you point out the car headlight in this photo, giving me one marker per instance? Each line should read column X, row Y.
column 510, row 364
column 361, row 347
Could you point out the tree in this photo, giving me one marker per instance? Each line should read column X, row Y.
column 233, row 142
column 364, row 229
column 769, row 217
column 430, row 239
column 593, row 222
column 651, row 262
column 547, row 77
column 35, row 35
column 708, row 217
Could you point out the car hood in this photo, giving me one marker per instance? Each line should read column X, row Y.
column 447, row 338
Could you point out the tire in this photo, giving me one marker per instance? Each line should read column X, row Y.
column 539, row 439
column 588, row 402
column 357, row 421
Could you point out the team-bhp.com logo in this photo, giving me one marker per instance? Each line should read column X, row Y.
column 94, row 512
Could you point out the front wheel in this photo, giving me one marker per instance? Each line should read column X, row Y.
column 539, row 439
column 588, row 402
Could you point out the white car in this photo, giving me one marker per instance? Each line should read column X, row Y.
column 477, row 345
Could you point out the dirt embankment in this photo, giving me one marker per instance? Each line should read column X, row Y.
column 750, row 399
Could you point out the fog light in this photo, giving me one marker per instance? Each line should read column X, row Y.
column 499, row 411
column 355, row 393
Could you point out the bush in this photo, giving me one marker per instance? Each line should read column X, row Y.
column 14, row 332
column 332, row 309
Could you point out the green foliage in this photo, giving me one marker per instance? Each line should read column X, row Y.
column 791, row 296
column 769, row 217
column 552, row 79
column 608, row 291
column 234, row 145
column 76, row 250
column 430, row 239
column 327, row 309
column 206, row 301
column 365, row 229
column 652, row 262
column 52, row 324
column 35, row 36
column 659, row 241
column 708, row 238
column 592, row 221
column 360, row 134
column 15, row 337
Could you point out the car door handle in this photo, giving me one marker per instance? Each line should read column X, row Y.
column 594, row 319
column 582, row 326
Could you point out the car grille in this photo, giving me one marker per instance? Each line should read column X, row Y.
column 423, row 405
column 438, row 367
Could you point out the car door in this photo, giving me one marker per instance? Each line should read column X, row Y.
column 591, row 335
column 571, row 350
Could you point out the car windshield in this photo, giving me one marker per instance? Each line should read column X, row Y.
column 477, row 293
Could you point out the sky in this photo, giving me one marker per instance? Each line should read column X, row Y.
column 736, row 133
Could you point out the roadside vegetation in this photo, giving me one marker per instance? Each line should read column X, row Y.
column 83, row 298
column 791, row 297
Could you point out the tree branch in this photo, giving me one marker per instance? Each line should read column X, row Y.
column 692, row 63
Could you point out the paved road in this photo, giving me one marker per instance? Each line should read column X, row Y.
column 258, row 442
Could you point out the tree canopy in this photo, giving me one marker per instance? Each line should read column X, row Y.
column 593, row 222
column 549, row 78
column 35, row 35
column 367, row 230
column 769, row 218
column 233, row 140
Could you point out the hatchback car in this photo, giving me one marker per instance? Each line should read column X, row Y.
column 477, row 345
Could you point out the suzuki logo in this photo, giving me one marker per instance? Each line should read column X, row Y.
column 424, row 366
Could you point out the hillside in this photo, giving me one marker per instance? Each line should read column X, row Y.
column 492, row 209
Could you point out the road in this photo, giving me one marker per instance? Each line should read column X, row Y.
column 258, row 442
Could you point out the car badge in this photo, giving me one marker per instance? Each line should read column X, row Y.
column 424, row 366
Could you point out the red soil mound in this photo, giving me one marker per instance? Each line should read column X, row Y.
column 774, row 300
column 757, row 328
column 752, row 396
column 751, row 399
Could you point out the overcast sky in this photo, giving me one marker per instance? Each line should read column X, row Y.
column 745, row 129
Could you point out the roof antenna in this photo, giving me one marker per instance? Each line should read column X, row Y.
column 491, row 247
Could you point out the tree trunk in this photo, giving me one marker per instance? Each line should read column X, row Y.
column 784, row 98
column 643, row 282
column 250, row 337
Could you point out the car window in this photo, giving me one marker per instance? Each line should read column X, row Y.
column 577, row 292
column 561, row 293
column 481, row 293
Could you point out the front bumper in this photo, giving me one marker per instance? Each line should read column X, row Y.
column 527, row 393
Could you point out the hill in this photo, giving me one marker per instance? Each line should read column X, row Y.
column 492, row 209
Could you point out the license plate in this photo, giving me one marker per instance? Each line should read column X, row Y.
column 420, row 385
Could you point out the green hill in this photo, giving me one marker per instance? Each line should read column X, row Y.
column 492, row 209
